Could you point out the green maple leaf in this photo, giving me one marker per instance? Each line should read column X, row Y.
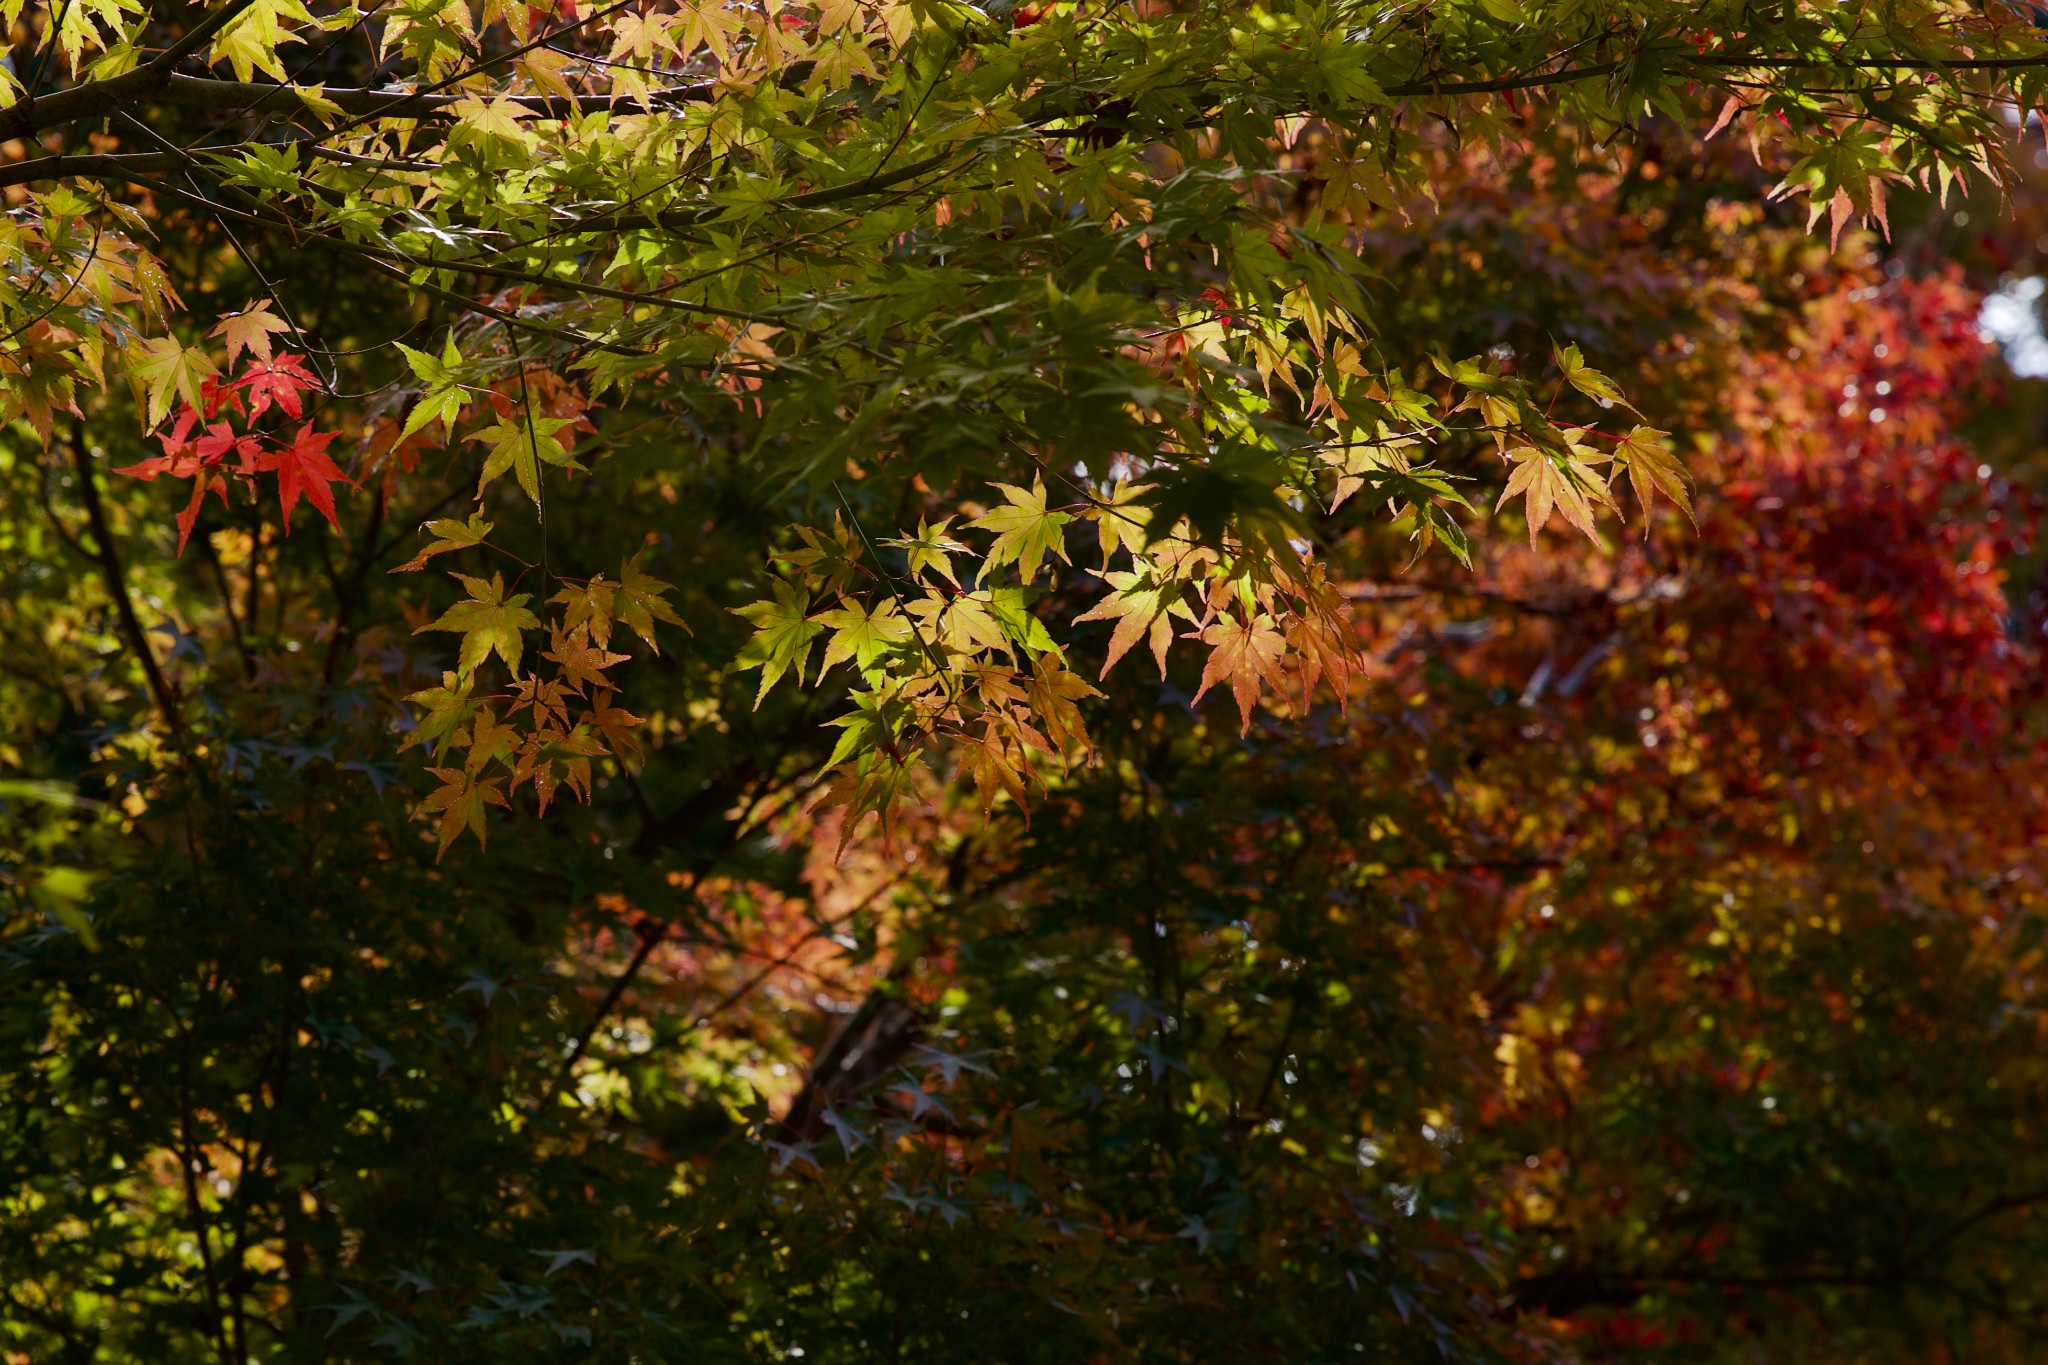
column 489, row 622
column 451, row 535
column 861, row 635
column 829, row 561
column 263, row 167
column 165, row 370
column 496, row 125
column 870, row 728
column 522, row 444
column 1025, row 531
column 1011, row 610
column 448, row 709
column 782, row 636
column 444, row 398
column 1587, row 380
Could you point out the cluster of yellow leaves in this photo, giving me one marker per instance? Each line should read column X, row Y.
column 970, row 666
column 557, row 720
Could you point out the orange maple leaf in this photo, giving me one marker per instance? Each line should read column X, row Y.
column 1246, row 656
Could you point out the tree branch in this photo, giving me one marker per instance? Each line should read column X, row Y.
column 117, row 583
column 96, row 98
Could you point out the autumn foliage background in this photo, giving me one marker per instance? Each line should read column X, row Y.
column 1637, row 958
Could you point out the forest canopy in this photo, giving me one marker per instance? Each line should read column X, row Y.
column 1021, row 682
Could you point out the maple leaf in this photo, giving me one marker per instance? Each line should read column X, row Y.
column 545, row 698
column 551, row 759
column 1323, row 637
column 280, row 381
column 38, row 379
column 876, row 781
column 640, row 602
column 448, row 709
column 1138, row 606
column 963, row 625
column 1053, row 693
column 708, row 24
column 1120, row 519
column 461, row 799
column 250, row 41
column 782, row 636
column 1010, row 609
column 829, row 562
column 489, row 741
column 544, row 69
column 588, row 606
column 1544, row 481
column 188, row 518
column 522, row 444
column 988, row 761
column 488, row 622
column 837, row 63
column 250, row 331
column 452, row 535
column 269, row 169
column 582, row 661
column 1369, row 461
column 444, row 399
column 616, row 725
column 871, row 727
column 930, row 549
column 220, row 438
column 1586, row 380
column 861, row 635
column 304, row 468
column 1245, row 657
column 182, row 459
column 1025, row 531
column 314, row 97
column 1645, row 453
column 493, row 121
column 164, row 369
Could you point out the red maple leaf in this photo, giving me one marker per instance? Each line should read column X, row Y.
column 217, row 391
column 303, row 467
column 220, row 439
column 201, row 486
column 281, row 381
column 1226, row 311
column 183, row 462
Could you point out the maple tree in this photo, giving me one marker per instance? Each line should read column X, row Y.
column 1088, row 215
column 1575, row 936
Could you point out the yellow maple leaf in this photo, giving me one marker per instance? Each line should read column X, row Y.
column 250, row 331
column 250, row 41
